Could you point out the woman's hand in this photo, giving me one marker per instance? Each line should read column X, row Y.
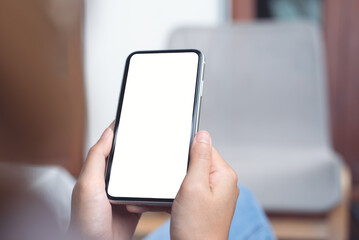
column 92, row 215
column 205, row 203
column 203, row 208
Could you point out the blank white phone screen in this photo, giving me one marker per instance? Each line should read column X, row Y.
column 153, row 136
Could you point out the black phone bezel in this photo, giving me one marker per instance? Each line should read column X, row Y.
column 195, row 121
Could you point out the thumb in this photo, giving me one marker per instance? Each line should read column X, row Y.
column 96, row 160
column 200, row 159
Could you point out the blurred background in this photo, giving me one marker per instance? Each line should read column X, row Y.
column 281, row 74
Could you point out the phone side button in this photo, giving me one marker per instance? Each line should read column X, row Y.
column 204, row 67
column 201, row 91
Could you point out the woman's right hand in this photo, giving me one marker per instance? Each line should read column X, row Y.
column 205, row 203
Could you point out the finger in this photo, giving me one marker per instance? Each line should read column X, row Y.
column 96, row 160
column 200, row 159
column 112, row 125
column 142, row 209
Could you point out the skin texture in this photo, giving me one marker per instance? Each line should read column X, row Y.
column 203, row 208
column 205, row 203
column 92, row 215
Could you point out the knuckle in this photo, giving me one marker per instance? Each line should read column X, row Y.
column 204, row 156
column 234, row 175
column 202, row 152
column 230, row 171
column 93, row 150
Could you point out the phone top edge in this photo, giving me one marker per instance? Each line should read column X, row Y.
column 201, row 57
column 198, row 52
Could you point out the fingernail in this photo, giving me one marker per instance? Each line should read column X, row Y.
column 203, row 137
column 106, row 133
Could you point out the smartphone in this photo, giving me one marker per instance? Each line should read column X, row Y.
column 157, row 118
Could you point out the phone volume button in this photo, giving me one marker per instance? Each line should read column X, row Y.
column 201, row 91
column 204, row 67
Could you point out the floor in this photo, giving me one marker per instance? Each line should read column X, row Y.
column 151, row 221
column 148, row 223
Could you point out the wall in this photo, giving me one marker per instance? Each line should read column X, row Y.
column 113, row 29
column 342, row 42
column 41, row 89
